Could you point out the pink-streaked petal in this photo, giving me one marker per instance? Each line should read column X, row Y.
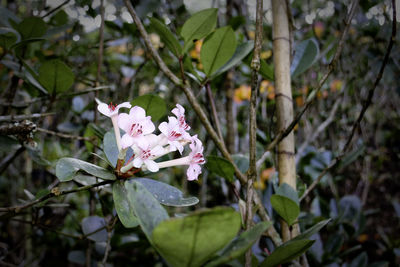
column 137, row 162
column 137, row 113
column 193, row 172
column 151, row 165
column 126, row 141
column 124, row 122
column 103, row 109
column 178, row 111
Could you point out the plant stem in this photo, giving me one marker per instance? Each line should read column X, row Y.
column 252, row 171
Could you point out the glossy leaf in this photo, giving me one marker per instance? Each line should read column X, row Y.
column 221, row 167
column 198, row 26
column 305, row 55
column 167, row 36
column 92, row 224
column 241, row 52
column 167, row 194
column 288, row 191
column 153, row 105
column 32, row 27
column 122, row 206
column 287, row 252
column 110, row 148
column 286, row 208
column 55, row 76
column 192, row 240
column 66, row 169
column 266, row 71
column 312, row 230
column 217, row 49
column 146, row 207
column 241, row 244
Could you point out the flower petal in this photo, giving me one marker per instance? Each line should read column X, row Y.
column 151, row 165
column 137, row 162
column 193, row 172
column 103, row 109
column 137, row 113
column 126, row 141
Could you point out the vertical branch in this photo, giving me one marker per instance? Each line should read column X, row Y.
column 214, row 110
column 100, row 53
column 284, row 102
column 252, row 172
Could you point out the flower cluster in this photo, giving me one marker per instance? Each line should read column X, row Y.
column 138, row 134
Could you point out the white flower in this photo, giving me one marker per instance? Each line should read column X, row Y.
column 179, row 112
column 172, row 133
column 111, row 110
column 136, row 125
column 144, row 154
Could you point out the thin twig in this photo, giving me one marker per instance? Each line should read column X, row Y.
column 252, row 171
column 24, row 104
column 10, row 158
column 365, row 106
column 320, row 128
column 63, row 135
column 110, row 227
column 214, row 110
column 55, row 9
column 54, row 193
column 25, row 117
column 100, row 54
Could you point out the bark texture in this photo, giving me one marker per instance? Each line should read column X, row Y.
column 284, row 102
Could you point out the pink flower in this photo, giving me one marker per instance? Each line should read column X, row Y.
column 111, row 110
column 136, row 125
column 196, row 159
column 145, row 155
column 179, row 112
column 172, row 133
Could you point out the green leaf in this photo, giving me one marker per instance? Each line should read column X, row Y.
column 198, row 26
column 305, row 55
column 121, row 203
column 286, row 208
column 266, row 71
column 153, row 105
column 287, row 252
column 288, row 191
column 147, row 209
column 312, row 230
column 217, row 49
column 110, row 148
column 167, row 194
column 241, row 52
column 8, row 37
column 166, row 36
column 93, row 223
column 240, row 245
column 221, row 167
column 32, row 27
column 66, row 169
column 55, row 76
column 192, row 240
